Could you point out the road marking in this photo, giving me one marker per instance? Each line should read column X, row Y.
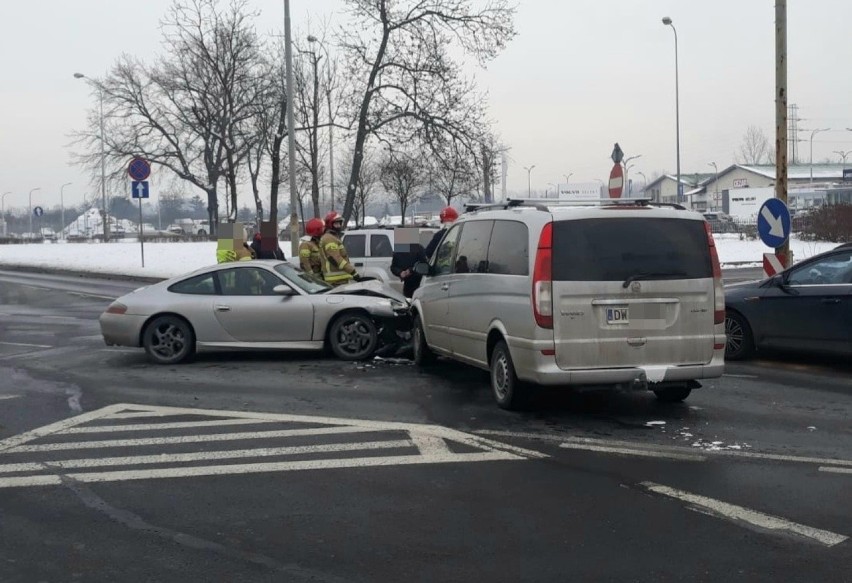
column 668, row 448
column 742, row 514
column 741, row 376
column 835, row 470
column 157, row 426
column 4, row 397
column 185, row 439
column 635, row 452
column 429, row 444
column 26, row 345
column 203, row 455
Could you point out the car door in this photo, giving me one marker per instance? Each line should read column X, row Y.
column 472, row 299
column 812, row 308
column 250, row 311
column 434, row 292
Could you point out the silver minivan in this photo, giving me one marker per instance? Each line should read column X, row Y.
column 618, row 293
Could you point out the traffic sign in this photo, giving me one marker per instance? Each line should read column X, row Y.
column 616, row 181
column 847, row 174
column 773, row 263
column 617, row 155
column 139, row 169
column 773, row 223
column 139, row 189
column 38, row 211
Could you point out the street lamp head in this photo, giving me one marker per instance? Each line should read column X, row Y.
column 78, row 76
column 667, row 21
column 312, row 38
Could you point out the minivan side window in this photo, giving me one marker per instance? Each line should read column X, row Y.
column 446, row 251
column 356, row 245
column 508, row 253
column 472, row 256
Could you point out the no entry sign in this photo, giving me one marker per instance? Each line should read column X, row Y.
column 616, row 181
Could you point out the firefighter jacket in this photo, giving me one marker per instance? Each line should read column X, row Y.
column 336, row 268
column 310, row 257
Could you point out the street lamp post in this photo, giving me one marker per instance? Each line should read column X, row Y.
column 62, row 207
column 105, row 218
column 644, row 181
column 3, row 210
column 626, row 169
column 568, row 176
column 313, row 39
column 842, row 154
column 601, row 187
column 555, row 188
column 31, row 211
column 291, row 138
column 715, row 185
column 813, row 133
column 668, row 22
column 529, row 183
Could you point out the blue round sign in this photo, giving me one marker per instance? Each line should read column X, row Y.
column 139, row 169
column 38, row 211
column 773, row 223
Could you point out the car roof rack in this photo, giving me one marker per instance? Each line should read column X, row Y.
column 546, row 204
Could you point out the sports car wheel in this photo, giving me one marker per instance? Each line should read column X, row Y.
column 353, row 337
column 739, row 339
column 168, row 340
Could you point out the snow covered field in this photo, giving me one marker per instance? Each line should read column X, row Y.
column 170, row 259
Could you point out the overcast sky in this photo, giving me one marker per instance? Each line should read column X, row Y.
column 580, row 75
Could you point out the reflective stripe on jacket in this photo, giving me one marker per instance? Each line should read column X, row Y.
column 336, row 268
column 310, row 257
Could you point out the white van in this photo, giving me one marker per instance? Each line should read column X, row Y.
column 625, row 293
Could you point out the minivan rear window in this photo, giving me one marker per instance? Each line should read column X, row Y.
column 617, row 248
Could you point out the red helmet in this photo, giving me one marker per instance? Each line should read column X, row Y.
column 448, row 214
column 331, row 218
column 315, row 228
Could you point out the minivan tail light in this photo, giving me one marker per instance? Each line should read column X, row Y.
column 116, row 308
column 542, row 286
column 718, row 288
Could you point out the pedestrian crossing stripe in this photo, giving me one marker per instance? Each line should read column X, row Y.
column 46, row 456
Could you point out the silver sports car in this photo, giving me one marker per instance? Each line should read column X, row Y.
column 261, row 305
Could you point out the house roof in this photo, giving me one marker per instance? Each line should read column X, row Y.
column 798, row 172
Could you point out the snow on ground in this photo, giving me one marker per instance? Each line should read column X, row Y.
column 171, row 259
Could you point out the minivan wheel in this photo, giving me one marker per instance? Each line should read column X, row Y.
column 423, row 355
column 739, row 341
column 505, row 385
column 672, row 394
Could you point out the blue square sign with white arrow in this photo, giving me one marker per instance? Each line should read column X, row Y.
column 773, row 223
column 139, row 189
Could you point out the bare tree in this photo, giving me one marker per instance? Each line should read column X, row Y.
column 755, row 148
column 401, row 178
column 410, row 87
column 189, row 112
column 452, row 173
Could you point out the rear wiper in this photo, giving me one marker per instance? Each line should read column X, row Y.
column 651, row 275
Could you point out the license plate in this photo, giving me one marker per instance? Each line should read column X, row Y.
column 617, row 316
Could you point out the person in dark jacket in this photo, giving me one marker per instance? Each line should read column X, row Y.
column 402, row 266
column 265, row 243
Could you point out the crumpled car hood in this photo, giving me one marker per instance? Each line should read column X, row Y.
column 370, row 288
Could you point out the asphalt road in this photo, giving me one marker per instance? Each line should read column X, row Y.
column 271, row 467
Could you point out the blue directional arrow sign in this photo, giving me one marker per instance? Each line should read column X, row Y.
column 773, row 223
column 139, row 189
column 38, row 211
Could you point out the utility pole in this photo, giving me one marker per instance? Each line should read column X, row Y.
column 291, row 140
column 781, row 117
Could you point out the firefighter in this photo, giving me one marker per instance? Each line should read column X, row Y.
column 336, row 268
column 310, row 255
column 448, row 216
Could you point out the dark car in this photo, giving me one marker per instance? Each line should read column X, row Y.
column 807, row 308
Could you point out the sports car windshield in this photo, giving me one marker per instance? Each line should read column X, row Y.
column 302, row 280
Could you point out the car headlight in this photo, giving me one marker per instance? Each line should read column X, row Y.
column 398, row 306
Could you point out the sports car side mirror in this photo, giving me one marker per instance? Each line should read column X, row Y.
column 421, row 268
column 284, row 290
